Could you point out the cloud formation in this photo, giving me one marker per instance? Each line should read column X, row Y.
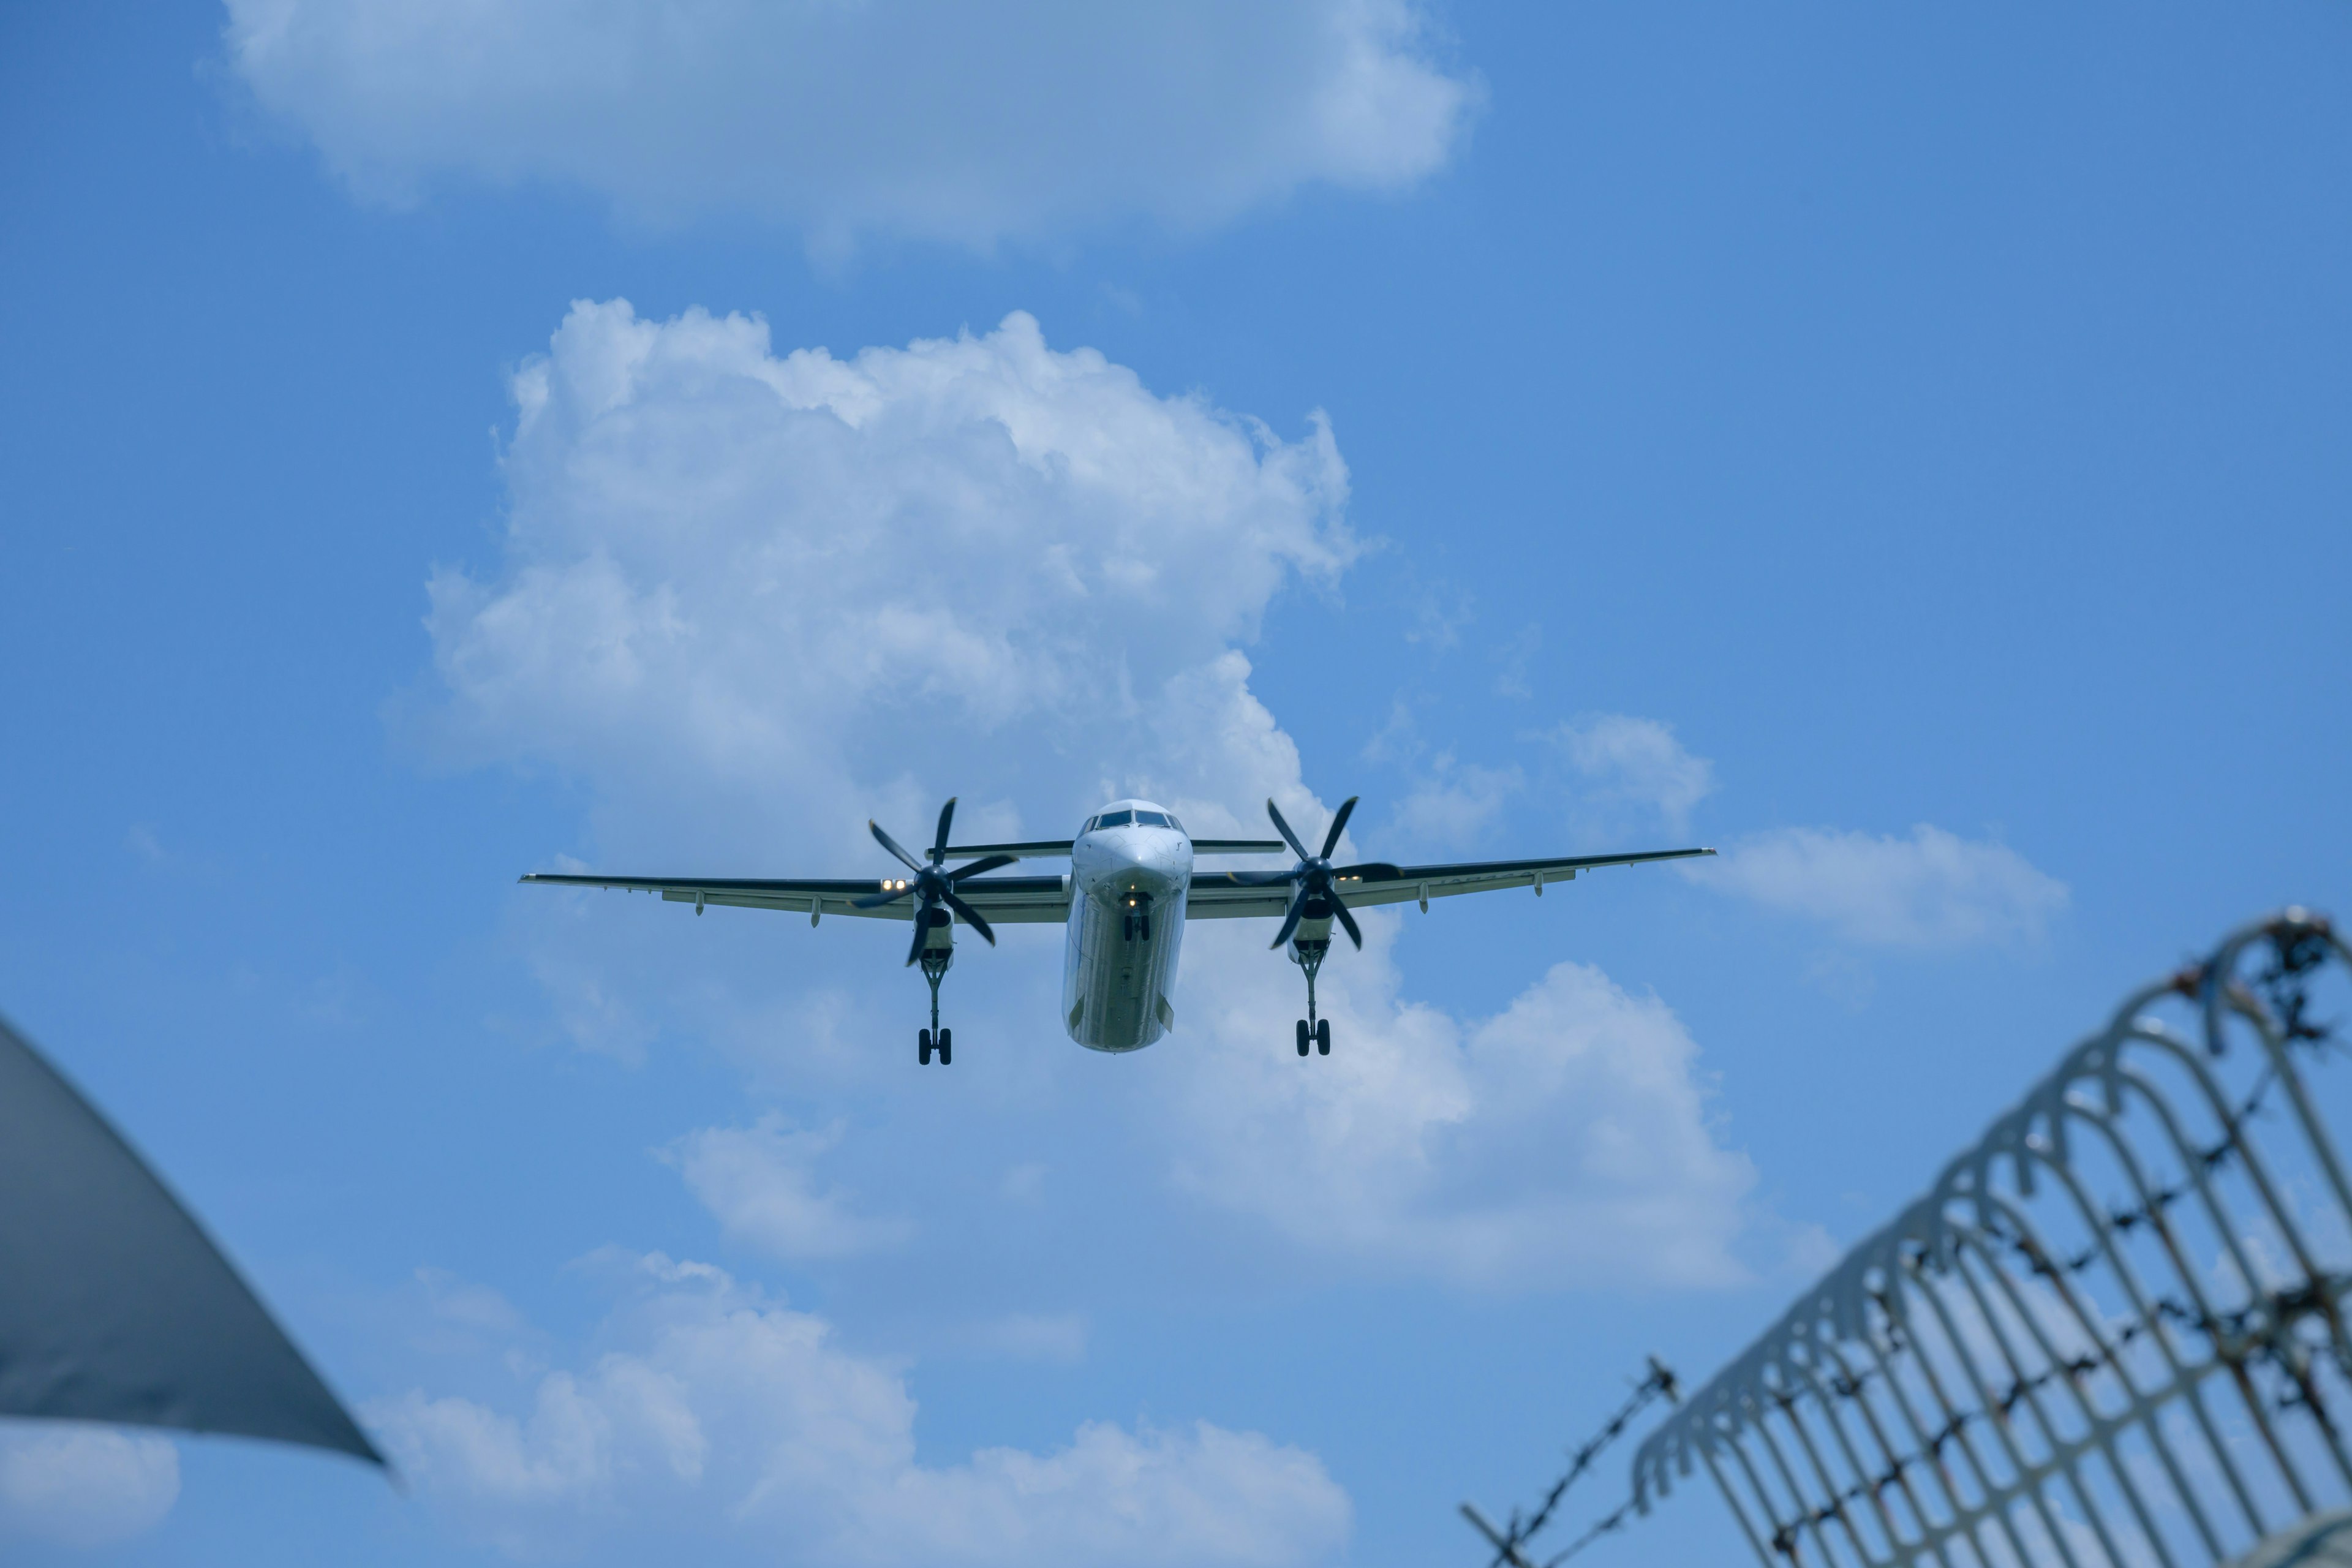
column 720, row 1412
column 1933, row 890
column 735, row 584
column 84, row 1486
column 1637, row 762
column 1564, row 1137
column 733, row 578
column 928, row 119
column 761, row 1183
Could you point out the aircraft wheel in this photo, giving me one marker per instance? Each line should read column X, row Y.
column 923, row 1047
column 1323, row 1036
column 1302, row 1036
column 947, row 1041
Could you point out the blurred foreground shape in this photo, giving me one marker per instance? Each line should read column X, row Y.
column 114, row 1305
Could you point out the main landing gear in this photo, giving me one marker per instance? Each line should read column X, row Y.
column 935, row 962
column 1316, row 1032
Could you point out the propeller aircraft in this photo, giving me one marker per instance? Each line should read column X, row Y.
column 1131, row 885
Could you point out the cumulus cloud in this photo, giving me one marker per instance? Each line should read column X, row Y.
column 1631, row 761
column 745, row 598
column 923, row 118
column 761, row 1181
column 719, row 1412
column 1933, row 890
column 1563, row 1137
column 733, row 578
column 84, row 1486
column 1453, row 805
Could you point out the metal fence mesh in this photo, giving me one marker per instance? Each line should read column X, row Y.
column 2112, row 1333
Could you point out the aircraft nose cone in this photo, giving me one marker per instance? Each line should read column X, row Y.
column 1146, row 863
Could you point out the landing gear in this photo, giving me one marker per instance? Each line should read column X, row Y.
column 1309, row 955
column 935, row 962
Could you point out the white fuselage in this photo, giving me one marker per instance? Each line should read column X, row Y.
column 1128, row 883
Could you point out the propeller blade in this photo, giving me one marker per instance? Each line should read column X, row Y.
column 1338, row 825
column 922, row 931
column 891, row 844
column 977, row 867
column 1370, row 871
column 876, row 901
column 971, row 917
column 1290, row 917
column 1289, row 837
column 940, row 844
column 1340, row 912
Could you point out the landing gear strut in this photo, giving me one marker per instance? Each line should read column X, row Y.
column 1314, row 1031
column 935, row 962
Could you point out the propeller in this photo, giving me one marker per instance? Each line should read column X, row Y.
column 933, row 885
column 1315, row 876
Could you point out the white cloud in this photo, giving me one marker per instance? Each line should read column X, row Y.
column 922, row 118
column 1563, row 1138
column 761, row 1183
column 1452, row 807
column 1933, row 890
column 743, row 596
column 743, row 582
column 719, row 1412
column 1636, row 761
column 84, row 1486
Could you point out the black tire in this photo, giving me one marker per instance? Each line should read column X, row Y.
column 1302, row 1036
column 923, row 1048
column 947, row 1043
column 1323, row 1036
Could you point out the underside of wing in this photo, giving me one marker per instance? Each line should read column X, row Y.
column 1003, row 899
column 1225, row 896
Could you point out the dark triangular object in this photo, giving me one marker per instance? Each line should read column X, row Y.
column 114, row 1305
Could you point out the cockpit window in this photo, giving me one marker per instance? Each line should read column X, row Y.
column 1150, row 819
column 1115, row 819
column 1174, row 824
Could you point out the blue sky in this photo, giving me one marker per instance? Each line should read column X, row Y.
column 1903, row 449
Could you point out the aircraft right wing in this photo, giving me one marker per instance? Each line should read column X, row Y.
column 1223, row 895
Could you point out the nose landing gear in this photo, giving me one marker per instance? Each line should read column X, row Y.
column 935, row 962
column 1309, row 955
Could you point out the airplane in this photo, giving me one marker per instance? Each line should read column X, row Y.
column 1130, row 888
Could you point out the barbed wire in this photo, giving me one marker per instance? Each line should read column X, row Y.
column 2265, row 1344
column 1659, row 1382
column 2258, row 1335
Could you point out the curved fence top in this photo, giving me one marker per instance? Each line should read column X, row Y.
column 2112, row 1332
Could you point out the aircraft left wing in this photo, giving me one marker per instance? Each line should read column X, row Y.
column 1221, row 895
column 1014, row 901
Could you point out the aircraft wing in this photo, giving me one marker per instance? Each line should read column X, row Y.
column 1012, row 900
column 1221, row 895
